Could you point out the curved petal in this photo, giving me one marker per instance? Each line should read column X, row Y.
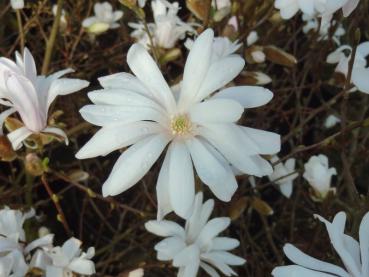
column 165, row 228
column 3, row 117
column 169, row 247
column 211, row 230
column 187, row 256
column 181, row 179
column 224, row 243
column 349, row 7
column 209, row 270
column 133, row 164
column 18, row 136
column 247, row 96
column 58, row 132
column 162, row 189
column 146, row 70
column 267, row 142
column 295, row 270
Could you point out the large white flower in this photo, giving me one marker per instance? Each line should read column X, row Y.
column 200, row 126
column 167, row 28
column 319, row 175
column 360, row 71
column 104, row 19
column 354, row 256
column 283, row 175
column 196, row 245
column 30, row 95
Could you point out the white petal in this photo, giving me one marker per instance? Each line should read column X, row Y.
column 267, row 142
column 300, row 258
column 187, row 256
column 71, row 248
column 364, row 244
column 195, row 71
column 191, row 269
column 224, row 243
column 113, row 137
column 146, row 70
column 43, row 241
column 247, row 96
column 360, row 78
column 218, row 263
column 29, row 66
column 133, row 164
column 18, row 136
column 294, row 271
column 212, row 229
column 181, row 179
column 227, row 258
column 209, row 270
column 53, row 271
column 216, row 111
column 307, row 7
column 217, row 176
column 58, row 132
column 169, row 247
column 82, row 266
column 3, row 117
column 349, row 7
column 162, row 189
column 165, row 228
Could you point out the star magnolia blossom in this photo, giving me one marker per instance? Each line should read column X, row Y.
column 312, row 23
column 196, row 245
column 104, row 19
column 319, row 175
column 30, row 95
column 17, row 4
column 200, row 127
column 360, row 71
column 167, row 29
column 283, row 175
column 354, row 256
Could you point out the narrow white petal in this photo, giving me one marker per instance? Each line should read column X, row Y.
column 58, row 132
column 364, row 244
column 165, row 228
column 18, row 136
column 133, row 164
column 227, row 258
column 360, row 77
column 212, row 229
column 162, row 189
column 267, row 142
column 224, row 243
column 187, row 256
column 169, row 247
column 295, row 270
column 209, row 270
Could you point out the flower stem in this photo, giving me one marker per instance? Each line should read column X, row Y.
column 20, row 29
column 51, row 41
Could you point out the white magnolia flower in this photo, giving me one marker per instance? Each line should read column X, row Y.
column 11, row 223
column 319, row 175
column 360, row 71
column 30, row 95
column 167, row 28
column 68, row 259
column 283, row 175
column 312, row 23
column 17, row 4
column 196, row 245
column 331, row 121
column 354, row 256
column 200, row 127
column 104, row 19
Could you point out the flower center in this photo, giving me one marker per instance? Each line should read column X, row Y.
column 180, row 125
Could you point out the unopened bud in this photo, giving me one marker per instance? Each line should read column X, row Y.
column 34, row 165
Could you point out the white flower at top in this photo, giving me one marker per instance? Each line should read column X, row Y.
column 360, row 71
column 200, row 127
column 283, row 175
column 104, row 19
column 197, row 245
column 354, row 255
column 30, row 95
column 167, row 28
column 17, row 4
column 319, row 175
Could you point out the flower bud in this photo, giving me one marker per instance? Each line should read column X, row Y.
column 34, row 165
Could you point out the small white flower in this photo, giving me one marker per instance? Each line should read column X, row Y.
column 196, row 245
column 283, row 175
column 360, row 71
column 200, row 127
column 354, row 256
column 17, row 4
column 104, row 19
column 69, row 259
column 319, row 175
column 167, row 28
column 31, row 95
column 331, row 121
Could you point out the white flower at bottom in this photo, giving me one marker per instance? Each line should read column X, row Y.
column 200, row 127
column 283, row 175
column 196, row 245
column 319, row 175
column 354, row 256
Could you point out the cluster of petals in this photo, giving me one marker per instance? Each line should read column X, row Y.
column 104, row 19
column 319, row 175
column 30, row 95
column 283, row 175
column 360, row 71
column 17, row 257
column 198, row 244
column 167, row 28
column 198, row 124
column 354, row 255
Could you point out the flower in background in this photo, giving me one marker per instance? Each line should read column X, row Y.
column 312, row 23
column 104, row 19
column 200, row 127
column 141, row 3
column 283, row 175
column 17, row 4
column 222, row 9
column 30, row 95
column 331, row 121
column 196, row 245
column 252, row 38
column 360, row 71
column 319, row 175
column 167, row 29
column 354, row 256
column 63, row 19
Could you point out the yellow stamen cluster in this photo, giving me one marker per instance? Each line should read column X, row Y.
column 180, row 125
